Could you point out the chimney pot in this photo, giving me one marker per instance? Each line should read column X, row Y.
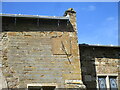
column 70, row 10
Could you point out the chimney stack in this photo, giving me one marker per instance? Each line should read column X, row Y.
column 72, row 15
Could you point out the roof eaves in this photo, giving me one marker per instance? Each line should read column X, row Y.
column 35, row 16
column 97, row 45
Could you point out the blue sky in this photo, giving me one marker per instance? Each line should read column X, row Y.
column 97, row 22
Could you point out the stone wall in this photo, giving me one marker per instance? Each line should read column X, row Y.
column 31, row 58
column 0, row 49
column 35, row 56
column 98, row 61
column 3, row 83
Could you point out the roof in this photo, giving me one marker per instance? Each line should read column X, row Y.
column 35, row 16
column 97, row 45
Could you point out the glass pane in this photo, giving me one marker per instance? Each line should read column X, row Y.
column 113, row 83
column 102, row 83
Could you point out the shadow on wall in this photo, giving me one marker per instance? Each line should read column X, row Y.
column 35, row 24
column 88, row 68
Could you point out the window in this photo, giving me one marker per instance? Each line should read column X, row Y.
column 102, row 83
column 107, row 82
column 41, row 87
column 113, row 83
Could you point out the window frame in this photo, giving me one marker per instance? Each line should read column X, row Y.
column 42, row 84
column 107, row 80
